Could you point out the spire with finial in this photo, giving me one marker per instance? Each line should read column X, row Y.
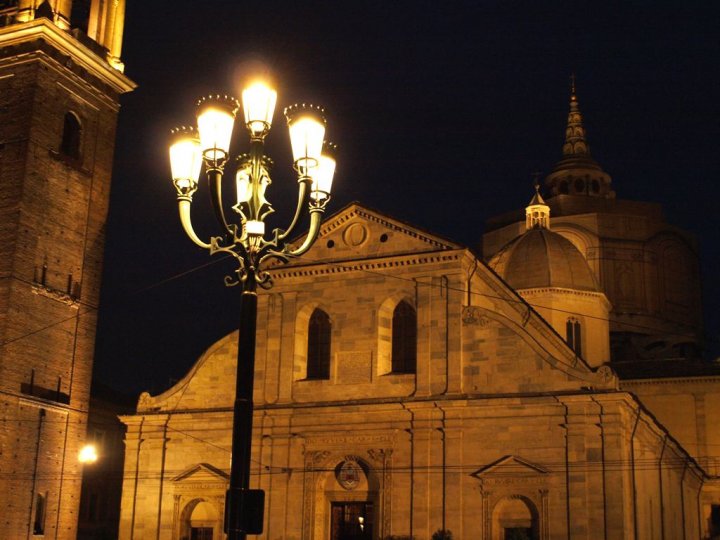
column 537, row 213
column 577, row 173
column 575, row 139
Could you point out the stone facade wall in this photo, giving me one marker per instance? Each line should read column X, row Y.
column 673, row 401
column 583, row 462
column 501, row 425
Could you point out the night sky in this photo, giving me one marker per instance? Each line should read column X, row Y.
column 442, row 111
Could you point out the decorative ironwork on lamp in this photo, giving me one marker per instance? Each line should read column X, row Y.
column 313, row 160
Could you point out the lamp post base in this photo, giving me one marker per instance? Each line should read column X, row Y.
column 244, row 512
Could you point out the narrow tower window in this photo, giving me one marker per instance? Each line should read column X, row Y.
column 573, row 335
column 80, row 14
column 39, row 522
column 318, row 358
column 70, row 144
column 404, row 339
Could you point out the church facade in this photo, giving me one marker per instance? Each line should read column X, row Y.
column 406, row 386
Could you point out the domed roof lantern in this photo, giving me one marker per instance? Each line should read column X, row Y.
column 537, row 213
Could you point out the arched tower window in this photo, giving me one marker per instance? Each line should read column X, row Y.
column 318, row 357
column 573, row 335
column 404, row 338
column 72, row 131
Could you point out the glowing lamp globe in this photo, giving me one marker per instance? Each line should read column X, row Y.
column 259, row 105
column 185, row 157
column 215, row 119
column 88, row 454
column 322, row 176
column 306, row 124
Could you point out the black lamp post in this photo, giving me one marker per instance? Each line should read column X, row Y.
column 245, row 240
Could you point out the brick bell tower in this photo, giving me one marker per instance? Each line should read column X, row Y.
column 60, row 82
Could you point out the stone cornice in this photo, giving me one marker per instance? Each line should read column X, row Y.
column 354, row 265
column 55, row 294
column 673, row 380
column 169, row 413
column 526, row 293
column 563, row 290
column 43, row 29
column 399, row 403
column 40, row 403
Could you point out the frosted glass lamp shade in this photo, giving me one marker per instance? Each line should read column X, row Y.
column 215, row 119
column 259, row 105
column 185, row 157
column 322, row 178
column 307, row 131
column 243, row 185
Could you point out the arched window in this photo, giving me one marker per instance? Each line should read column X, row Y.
column 573, row 335
column 318, row 357
column 404, row 338
column 72, row 130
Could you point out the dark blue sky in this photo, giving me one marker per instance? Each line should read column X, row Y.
column 442, row 110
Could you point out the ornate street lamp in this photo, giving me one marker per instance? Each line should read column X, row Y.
column 246, row 239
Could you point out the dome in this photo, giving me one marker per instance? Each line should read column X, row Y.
column 541, row 258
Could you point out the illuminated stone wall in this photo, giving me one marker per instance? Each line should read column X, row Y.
column 500, row 426
column 53, row 206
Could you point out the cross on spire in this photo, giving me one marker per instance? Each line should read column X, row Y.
column 536, row 179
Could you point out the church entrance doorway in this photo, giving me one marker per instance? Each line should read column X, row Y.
column 351, row 521
column 518, row 533
column 201, row 533
column 200, row 520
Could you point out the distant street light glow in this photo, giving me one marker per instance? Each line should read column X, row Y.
column 88, row 454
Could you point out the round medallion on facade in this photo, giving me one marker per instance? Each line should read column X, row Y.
column 348, row 474
column 355, row 234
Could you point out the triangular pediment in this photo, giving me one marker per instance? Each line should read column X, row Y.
column 359, row 232
column 509, row 466
column 202, row 472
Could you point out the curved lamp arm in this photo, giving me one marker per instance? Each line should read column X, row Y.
column 184, row 208
column 315, row 220
column 214, row 179
column 302, row 195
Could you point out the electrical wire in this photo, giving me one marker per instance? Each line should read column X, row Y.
column 346, row 267
column 343, row 266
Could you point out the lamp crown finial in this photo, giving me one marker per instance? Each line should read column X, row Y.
column 300, row 109
column 225, row 101
column 329, row 148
